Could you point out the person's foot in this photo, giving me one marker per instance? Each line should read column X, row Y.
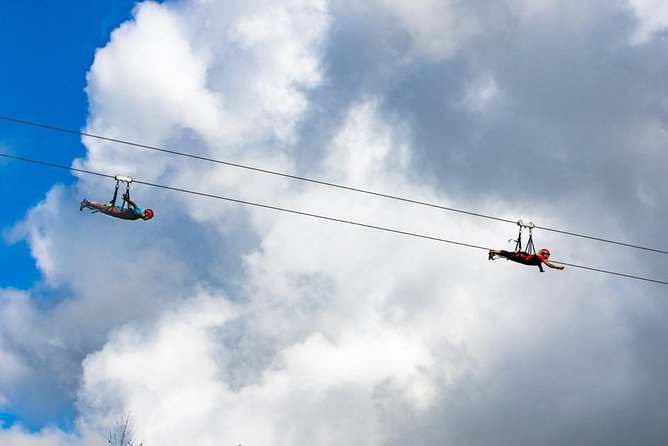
column 84, row 204
column 491, row 255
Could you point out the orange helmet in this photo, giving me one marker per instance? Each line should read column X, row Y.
column 149, row 213
column 544, row 251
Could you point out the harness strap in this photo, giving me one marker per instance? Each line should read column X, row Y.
column 531, row 249
column 518, row 245
column 125, row 200
column 113, row 200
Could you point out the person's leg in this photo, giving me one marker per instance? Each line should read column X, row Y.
column 100, row 207
column 96, row 206
column 494, row 253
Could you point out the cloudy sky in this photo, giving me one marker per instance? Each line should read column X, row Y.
column 219, row 323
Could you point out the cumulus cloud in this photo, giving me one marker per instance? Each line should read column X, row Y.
column 652, row 18
column 163, row 75
column 16, row 436
column 217, row 322
column 438, row 28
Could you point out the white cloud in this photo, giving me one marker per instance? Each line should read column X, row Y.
column 481, row 94
column 14, row 370
column 439, row 29
column 338, row 318
column 216, row 322
column 150, row 64
column 283, row 41
column 16, row 436
column 366, row 150
column 652, row 18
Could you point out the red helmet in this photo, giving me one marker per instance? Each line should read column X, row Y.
column 149, row 213
column 544, row 251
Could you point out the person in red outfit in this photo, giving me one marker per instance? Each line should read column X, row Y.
column 525, row 258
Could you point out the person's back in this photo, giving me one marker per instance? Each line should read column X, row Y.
column 526, row 259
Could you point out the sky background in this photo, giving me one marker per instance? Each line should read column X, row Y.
column 218, row 323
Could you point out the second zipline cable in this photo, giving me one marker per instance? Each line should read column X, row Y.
column 322, row 217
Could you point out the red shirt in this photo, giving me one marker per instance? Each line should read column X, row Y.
column 528, row 259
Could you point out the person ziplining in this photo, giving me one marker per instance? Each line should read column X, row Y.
column 528, row 256
column 128, row 210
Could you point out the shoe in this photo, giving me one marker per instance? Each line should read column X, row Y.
column 491, row 255
column 84, row 204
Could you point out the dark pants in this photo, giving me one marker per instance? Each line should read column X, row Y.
column 506, row 254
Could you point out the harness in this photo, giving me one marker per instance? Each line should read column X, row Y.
column 530, row 248
column 126, row 196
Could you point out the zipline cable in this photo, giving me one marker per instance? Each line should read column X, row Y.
column 320, row 182
column 322, row 217
column 589, row 268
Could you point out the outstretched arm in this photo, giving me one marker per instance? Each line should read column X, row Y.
column 552, row 265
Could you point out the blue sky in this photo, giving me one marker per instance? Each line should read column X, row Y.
column 48, row 48
column 216, row 320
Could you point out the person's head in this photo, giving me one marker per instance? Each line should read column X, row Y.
column 544, row 252
column 148, row 214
